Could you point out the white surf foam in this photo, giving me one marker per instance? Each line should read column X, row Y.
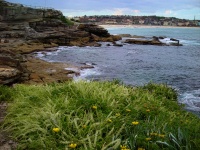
column 85, row 73
column 191, row 100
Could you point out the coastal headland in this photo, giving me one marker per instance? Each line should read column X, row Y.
column 24, row 30
column 81, row 115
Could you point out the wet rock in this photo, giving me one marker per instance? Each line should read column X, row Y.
column 162, row 37
column 143, row 42
column 108, row 45
column 172, row 39
column 116, row 44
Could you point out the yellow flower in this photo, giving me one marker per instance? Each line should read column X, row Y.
column 135, row 122
column 128, row 110
column 72, row 145
column 117, row 114
column 84, row 126
column 123, row 147
column 161, row 135
column 109, row 120
column 153, row 134
column 148, row 110
column 56, row 129
column 141, row 148
column 148, row 139
column 94, row 107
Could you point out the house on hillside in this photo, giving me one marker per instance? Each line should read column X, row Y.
column 141, row 21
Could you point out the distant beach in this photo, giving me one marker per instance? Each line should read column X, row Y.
column 141, row 26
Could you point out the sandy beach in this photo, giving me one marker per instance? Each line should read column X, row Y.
column 107, row 26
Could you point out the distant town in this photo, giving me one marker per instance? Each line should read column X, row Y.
column 137, row 20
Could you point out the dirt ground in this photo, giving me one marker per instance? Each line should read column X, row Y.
column 5, row 142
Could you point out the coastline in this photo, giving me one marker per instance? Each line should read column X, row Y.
column 107, row 26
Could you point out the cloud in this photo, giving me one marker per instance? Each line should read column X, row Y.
column 118, row 12
column 136, row 11
column 120, row 7
column 168, row 12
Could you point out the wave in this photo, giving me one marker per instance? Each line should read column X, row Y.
column 191, row 99
column 87, row 74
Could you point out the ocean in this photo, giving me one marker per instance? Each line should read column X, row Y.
column 137, row 65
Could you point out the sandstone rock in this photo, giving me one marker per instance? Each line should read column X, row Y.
column 30, row 33
column 15, row 12
column 9, row 75
column 11, row 69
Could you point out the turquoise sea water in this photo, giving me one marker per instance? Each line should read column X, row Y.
column 136, row 65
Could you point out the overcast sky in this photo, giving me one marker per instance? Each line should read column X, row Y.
column 185, row 9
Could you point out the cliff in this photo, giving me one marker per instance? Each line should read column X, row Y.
column 26, row 29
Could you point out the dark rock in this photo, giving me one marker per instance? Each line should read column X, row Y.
column 175, row 44
column 144, row 42
column 172, row 39
column 155, row 38
column 108, row 45
column 94, row 29
column 161, row 37
column 119, row 45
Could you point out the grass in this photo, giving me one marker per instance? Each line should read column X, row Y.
column 99, row 116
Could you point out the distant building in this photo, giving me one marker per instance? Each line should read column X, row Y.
column 141, row 21
column 165, row 23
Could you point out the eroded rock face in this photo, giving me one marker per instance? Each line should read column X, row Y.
column 11, row 69
column 94, row 29
column 15, row 12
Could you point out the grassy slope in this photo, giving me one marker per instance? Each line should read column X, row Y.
column 99, row 115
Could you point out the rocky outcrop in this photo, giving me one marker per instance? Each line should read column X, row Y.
column 11, row 69
column 143, row 42
column 26, row 29
column 154, row 41
column 94, row 29
column 17, row 12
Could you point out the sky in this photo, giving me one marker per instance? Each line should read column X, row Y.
column 183, row 9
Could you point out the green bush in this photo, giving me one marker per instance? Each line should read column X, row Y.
column 6, row 93
column 100, row 115
column 67, row 21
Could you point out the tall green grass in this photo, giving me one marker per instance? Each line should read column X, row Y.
column 100, row 116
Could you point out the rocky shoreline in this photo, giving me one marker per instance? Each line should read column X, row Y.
column 24, row 30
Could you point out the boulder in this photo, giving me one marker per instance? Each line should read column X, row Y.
column 94, row 29
column 11, row 69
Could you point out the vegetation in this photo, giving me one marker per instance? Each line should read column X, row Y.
column 67, row 21
column 99, row 116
